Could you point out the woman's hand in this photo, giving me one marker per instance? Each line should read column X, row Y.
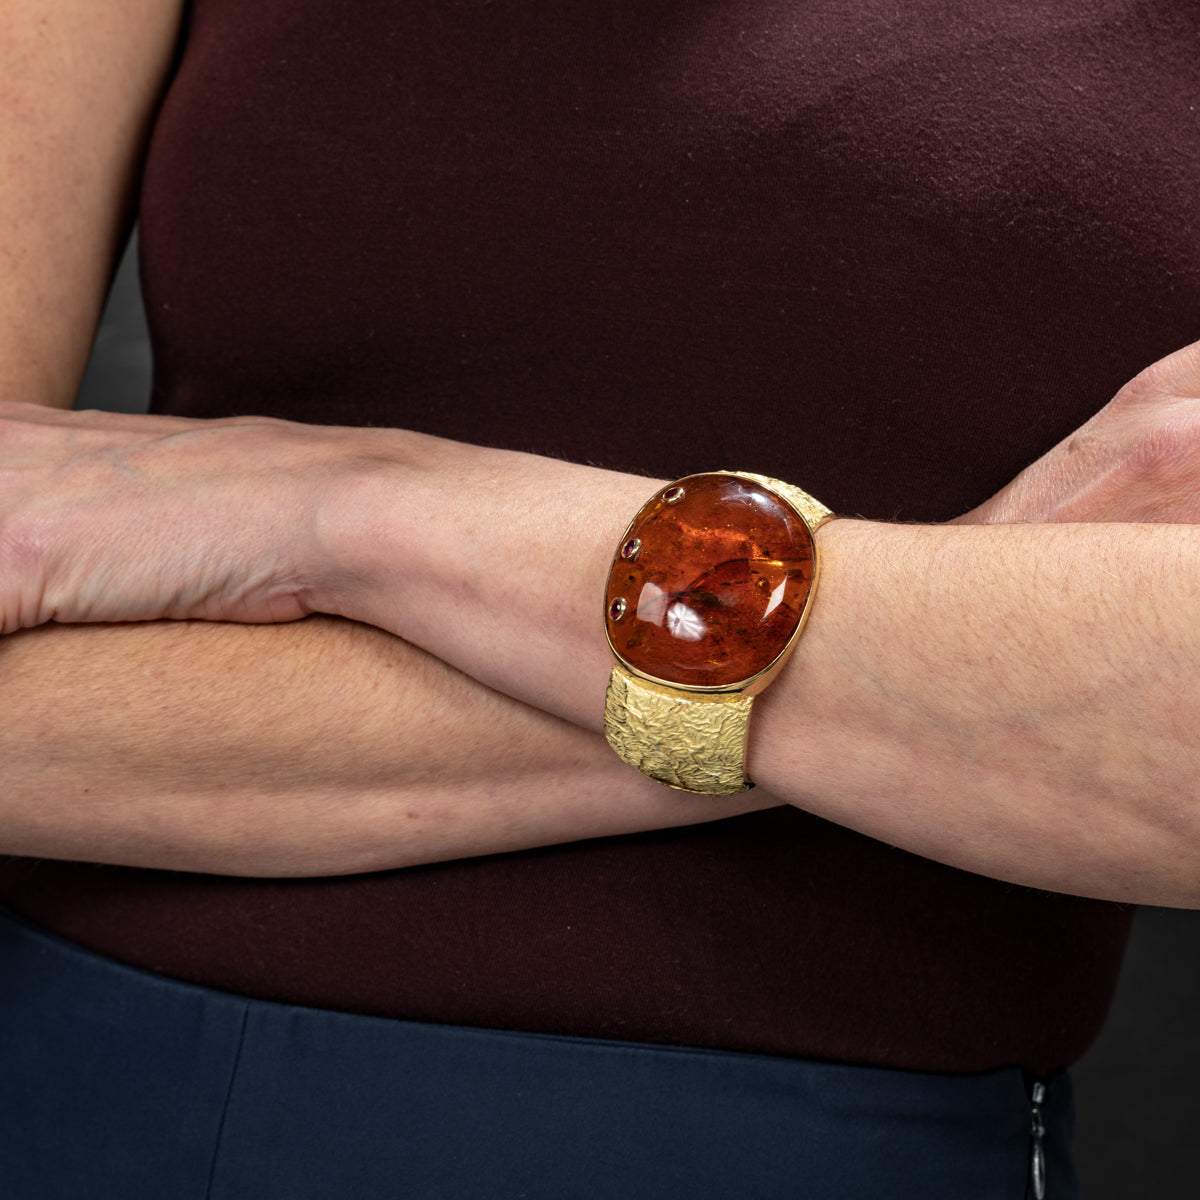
column 1137, row 459
column 110, row 517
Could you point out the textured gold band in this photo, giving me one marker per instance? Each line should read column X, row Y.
column 697, row 743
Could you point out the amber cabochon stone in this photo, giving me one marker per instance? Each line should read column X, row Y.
column 710, row 582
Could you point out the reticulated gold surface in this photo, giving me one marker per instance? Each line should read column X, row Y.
column 694, row 743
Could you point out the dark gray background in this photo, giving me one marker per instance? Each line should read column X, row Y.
column 1139, row 1096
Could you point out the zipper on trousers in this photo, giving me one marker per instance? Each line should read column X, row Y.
column 1037, row 1135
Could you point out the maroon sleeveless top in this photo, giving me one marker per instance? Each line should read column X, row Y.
column 893, row 253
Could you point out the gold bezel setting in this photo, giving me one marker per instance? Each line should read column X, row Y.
column 810, row 511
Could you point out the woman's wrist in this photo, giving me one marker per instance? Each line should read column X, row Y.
column 492, row 560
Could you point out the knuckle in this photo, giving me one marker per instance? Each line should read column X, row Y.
column 1168, row 446
column 1144, row 388
column 1175, row 376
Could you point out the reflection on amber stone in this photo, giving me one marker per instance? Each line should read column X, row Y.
column 718, row 584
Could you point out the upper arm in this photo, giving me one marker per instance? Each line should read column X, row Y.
column 79, row 83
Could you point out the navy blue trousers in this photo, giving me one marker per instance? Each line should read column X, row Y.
column 116, row 1084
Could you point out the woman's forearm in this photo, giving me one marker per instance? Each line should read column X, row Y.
column 321, row 747
column 1021, row 701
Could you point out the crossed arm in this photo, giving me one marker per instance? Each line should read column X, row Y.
column 1016, row 700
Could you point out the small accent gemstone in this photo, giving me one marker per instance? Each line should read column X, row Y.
column 631, row 547
column 718, row 586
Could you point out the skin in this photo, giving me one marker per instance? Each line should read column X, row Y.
column 1043, row 738
column 68, row 158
